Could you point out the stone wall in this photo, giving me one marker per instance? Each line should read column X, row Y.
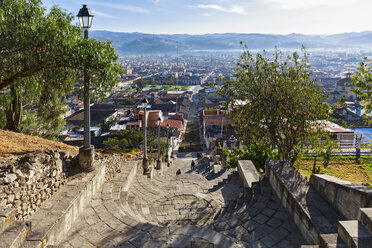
column 26, row 181
column 285, row 182
column 316, row 220
column 113, row 163
column 342, row 195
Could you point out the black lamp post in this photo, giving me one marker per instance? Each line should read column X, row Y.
column 167, row 153
column 86, row 153
column 158, row 162
column 145, row 160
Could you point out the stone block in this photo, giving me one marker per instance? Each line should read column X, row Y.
column 354, row 234
column 248, row 173
column 365, row 218
column 86, row 158
column 15, row 235
column 7, row 218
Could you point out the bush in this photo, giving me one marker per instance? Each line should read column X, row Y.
column 257, row 152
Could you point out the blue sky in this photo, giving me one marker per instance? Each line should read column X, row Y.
column 226, row 16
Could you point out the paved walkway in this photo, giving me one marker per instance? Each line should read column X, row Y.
column 195, row 209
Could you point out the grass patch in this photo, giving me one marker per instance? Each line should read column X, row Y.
column 343, row 167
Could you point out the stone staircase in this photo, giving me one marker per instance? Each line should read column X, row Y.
column 198, row 208
column 187, row 210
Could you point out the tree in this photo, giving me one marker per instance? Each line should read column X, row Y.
column 141, row 83
column 128, row 138
column 41, row 58
column 362, row 82
column 274, row 100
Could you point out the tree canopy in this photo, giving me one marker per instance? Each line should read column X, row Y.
column 42, row 56
column 274, row 99
column 362, row 80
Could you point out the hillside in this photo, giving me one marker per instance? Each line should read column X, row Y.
column 141, row 43
column 12, row 143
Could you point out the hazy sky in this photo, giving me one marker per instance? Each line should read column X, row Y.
column 226, row 16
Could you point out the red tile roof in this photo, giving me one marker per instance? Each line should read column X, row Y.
column 172, row 123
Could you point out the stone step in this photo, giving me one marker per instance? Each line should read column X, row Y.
column 365, row 218
column 148, row 187
column 144, row 211
column 354, row 234
column 201, row 237
column 132, row 206
column 7, row 218
column 124, row 204
column 14, row 236
column 253, row 201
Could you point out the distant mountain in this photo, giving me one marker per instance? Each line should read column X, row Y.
column 141, row 43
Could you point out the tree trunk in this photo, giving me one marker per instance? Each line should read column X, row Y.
column 15, row 110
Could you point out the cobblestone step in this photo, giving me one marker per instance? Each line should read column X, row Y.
column 132, row 206
column 144, row 211
column 7, row 218
column 15, row 235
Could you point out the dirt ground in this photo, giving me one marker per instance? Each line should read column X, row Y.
column 12, row 143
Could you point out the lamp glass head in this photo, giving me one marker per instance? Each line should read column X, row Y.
column 85, row 17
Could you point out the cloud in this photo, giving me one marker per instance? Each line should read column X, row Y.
column 129, row 8
column 305, row 4
column 233, row 9
column 98, row 13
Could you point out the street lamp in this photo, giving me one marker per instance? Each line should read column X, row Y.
column 158, row 162
column 167, row 153
column 86, row 153
column 145, row 160
column 85, row 17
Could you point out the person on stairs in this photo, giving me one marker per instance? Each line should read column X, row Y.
column 192, row 165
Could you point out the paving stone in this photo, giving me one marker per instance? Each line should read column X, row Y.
column 77, row 241
column 274, row 222
column 261, row 218
column 270, row 240
column 284, row 244
column 251, row 225
column 281, row 215
column 281, row 232
column 139, row 240
column 295, row 239
column 268, row 212
column 239, row 232
column 257, row 244
column 126, row 244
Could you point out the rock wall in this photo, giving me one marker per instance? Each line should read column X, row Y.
column 26, row 181
column 113, row 163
